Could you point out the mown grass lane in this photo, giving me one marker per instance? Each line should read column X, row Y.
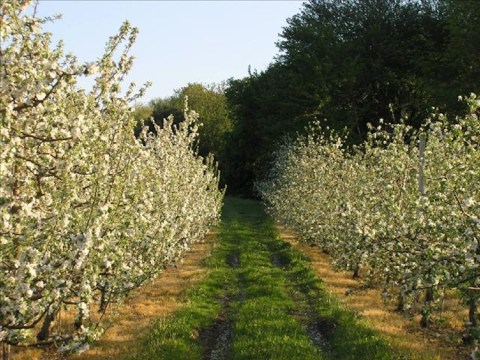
column 260, row 300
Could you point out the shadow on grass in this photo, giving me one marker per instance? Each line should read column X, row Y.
column 276, row 307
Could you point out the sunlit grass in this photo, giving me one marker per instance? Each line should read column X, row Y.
column 268, row 293
column 400, row 330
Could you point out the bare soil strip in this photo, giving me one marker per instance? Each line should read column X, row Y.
column 217, row 338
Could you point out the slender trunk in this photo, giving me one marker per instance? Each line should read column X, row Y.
column 425, row 320
column 400, row 303
column 16, row 208
column 472, row 312
column 103, row 301
column 44, row 332
column 356, row 270
column 5, row 351
column 429, row 296
column 78, row 321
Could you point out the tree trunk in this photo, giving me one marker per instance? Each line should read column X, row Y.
column 103, row 300
column 400, row 303
column 5, row 351
column 78, row 322
column 356, row 270
column 429, row 296
column 472, row 312
column 44, row 332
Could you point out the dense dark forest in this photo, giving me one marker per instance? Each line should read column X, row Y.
column 346, row 63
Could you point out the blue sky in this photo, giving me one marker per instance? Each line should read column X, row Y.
column 179, row 41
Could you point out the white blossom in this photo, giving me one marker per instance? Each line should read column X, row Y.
column 84, row 204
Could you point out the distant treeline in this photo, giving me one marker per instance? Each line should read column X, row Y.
column 347, row 63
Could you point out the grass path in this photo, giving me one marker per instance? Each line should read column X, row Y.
column 260, row 300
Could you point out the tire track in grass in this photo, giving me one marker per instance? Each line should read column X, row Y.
column 217, row 338
column 260, row 300
column 264, row 327
column 339, row 332
column 318, row 329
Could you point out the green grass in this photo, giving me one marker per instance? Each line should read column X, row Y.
column 346, row 336
column 268, row 299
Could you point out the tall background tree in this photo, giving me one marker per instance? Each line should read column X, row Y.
column 209, row 102
column 350, row 63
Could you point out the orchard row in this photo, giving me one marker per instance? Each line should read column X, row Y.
column 88, row 211
column 404, row 206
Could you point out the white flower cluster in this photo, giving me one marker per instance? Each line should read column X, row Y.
column 411, row 222
column 87, row 211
